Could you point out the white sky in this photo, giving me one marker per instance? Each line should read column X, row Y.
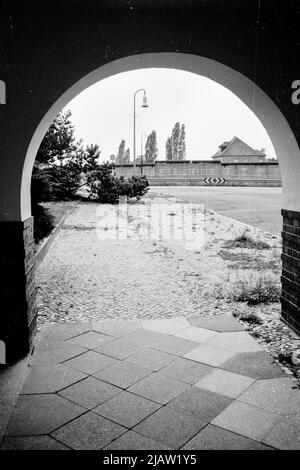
column 103, row 113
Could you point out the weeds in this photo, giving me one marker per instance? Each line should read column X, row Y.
column 261, row 291
column 245, row 241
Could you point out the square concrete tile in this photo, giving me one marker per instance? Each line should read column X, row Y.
column 167, row 326
column 90, row 362
column 50, row 379
column 169, row 427
column 186, row 370
column 222, row 323
column 201, row 404
column 127, row 409
column 89, row 432
column 32, row 443
column 210, row 355
column 120, row 348
column 199, row 335
column 151, row 359
column 214, row 438
column 115, row 328
column 285, row 434
column 173, row 345
column 90, row 340
column 158, row 388
column 246, row 420
column 90, row 392
column 41, row 414
column 122, row 374
column 224, row 382
column 134, row 441
column 276, row 395
column 238, row 341
column 257, row 365
column 146, row 338
column 65, row 331
column 56, row 352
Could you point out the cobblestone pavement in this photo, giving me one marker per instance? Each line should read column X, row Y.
column 197, row 383
column 89, row 274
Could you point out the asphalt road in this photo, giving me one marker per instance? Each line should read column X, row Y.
column 259, row 207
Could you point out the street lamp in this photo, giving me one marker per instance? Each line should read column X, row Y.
column 144, row 105
column 143, row 133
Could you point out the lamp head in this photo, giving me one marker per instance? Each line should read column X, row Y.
column 145, row 103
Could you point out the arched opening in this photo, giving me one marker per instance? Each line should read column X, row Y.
column 277, row 127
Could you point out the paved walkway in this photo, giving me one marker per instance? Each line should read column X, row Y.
column 201, row 383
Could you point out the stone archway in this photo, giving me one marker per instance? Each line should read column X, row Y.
column 20, row 327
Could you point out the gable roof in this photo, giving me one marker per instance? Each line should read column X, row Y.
column 236, row 147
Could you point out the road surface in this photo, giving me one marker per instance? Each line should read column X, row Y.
column 259, row 207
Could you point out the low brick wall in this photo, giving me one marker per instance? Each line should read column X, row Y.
column 18, row 310
column 202, row 172
column 290, row 299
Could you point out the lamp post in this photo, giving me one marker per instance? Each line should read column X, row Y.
column 143, row 133
column 144, row 105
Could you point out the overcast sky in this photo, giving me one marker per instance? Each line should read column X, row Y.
column 103, row 113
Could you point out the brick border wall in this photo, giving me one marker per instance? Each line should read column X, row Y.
column 290, row 299
column 18, row 310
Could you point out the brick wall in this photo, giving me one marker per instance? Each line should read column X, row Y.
column 290, row 300
column 18, row 309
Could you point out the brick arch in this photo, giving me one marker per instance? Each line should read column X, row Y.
column 273, row 120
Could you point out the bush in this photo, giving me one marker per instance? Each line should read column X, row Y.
column 262, row 291
column 43, row 222
column 245, row 241
column 107, row 188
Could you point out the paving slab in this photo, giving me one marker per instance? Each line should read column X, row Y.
column 167, row 326
column 194, row 333
column 172, row 344
column 170, row 427
column 208, row 354
column 226, row 383
column 32, row 443
column 65, row 331
column 214, row 438
column 285, row 434
column 222, row 323
column 90, row 340
column 56, row 352
column 133, row 441
column 41, row 414
column 276, row 395
column 186, row 370
column 115, row 328
column 120, row 348
column 122, row 374
column 201, row 404
column 246, row 420
column 50, row 379
column 237, row 341
column 88, row 432
column 127, row 409
column 90, row 362
column 151, row 359
column 258, row 365
column 90, row 392
column 158, row 388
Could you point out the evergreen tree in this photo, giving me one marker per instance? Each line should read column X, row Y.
column 59, row 142
column 151, row 150
column 126, row 159
column 181, row 145
column 121, row 153
column 175, row 139
column 169, row 149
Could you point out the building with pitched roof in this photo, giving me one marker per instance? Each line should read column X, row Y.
column 237, row 151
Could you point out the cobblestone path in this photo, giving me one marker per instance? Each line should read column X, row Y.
column 85, row 276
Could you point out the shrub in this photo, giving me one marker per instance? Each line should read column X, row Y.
column 262, row 291
column 107, row 188
column 43, row 222
column 245, row 241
